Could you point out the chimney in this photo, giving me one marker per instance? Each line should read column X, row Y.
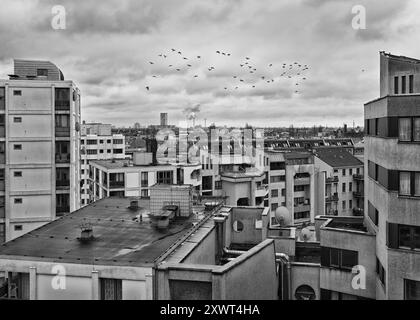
column 86, row 233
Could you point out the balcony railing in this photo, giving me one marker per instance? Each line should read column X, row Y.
column 62, row 157
column 62, row 105
column 62, row 131
column 358, row 177
column 358, row 211
column 357, row 194
column 332, row 198
column 62, row 183
column 331, row 180
column 116, row 184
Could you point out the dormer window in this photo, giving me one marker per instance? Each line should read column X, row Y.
column 42, row 72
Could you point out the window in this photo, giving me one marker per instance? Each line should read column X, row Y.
column 409, row 184
column 62, row 121
column 395, row 85
column 91, row 141
column 416, row 130
column 17, row 119
column 344, row 205
column 17, row 92
column 144, row 179
column 108, row 141
column 17, row 173
column 299, row 188
column 274, row 206
column 17, row 147
column 350, row 204
column 411, row 290
column 344, row 187
column 42, row 72
column 276, row 179
column 101, row 141
column 218, row 185
column 277, row 165
column 373, row 213
column 18, row 200
column 350, row 186
column 283, row 192
column 403, row 236
column 344, row 172
column 93, row 151
column 339, row 258
column 380, row 271
column 274, row 193
column 101, row 151
column 144, row 193
column 404, row 125
column 18, row 227
column 62, row 98
column 403, row 84
column 118, row 141
column 164, row 177
column 118, row 151
column 111, row 289
column 411, row 83
column 351, row 172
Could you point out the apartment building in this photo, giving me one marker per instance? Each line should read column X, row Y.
column 291, row 184
column 97, row 143
column 39, row 147
column 392, row 163
column 134, row 178
column 340, row 183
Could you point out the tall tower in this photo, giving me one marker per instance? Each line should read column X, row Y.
column 392, row 160
column 164, row 119
column 39, row 147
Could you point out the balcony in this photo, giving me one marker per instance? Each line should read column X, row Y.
column 302, row 208
column 62, row 105
column 332, row 198
column 62, row 184
column 62, row 157
column 62, row 131
column 2, row 131
column 358, row 211
column 116, row 184
column 261, row 191
column 331, row 212
column 331, row 180
column 302, row 181
column 358, row 194
column 358, row 177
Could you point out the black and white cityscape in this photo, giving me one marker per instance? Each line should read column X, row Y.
column 210, row 150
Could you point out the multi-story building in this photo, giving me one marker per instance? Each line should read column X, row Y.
column 134, row 178
column 39, row 147
column 392, row 161
column 163, row 119
column 98, row 143
column 340, row 180
column 291, row 184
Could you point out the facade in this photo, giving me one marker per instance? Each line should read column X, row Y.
column 291, row 184
column 39, row 147
column 134, row 178
column 340, row 183
column 97, row 143
column 392, row 163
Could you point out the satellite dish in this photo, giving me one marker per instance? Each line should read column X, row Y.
column 306, row 234
column 282, row 216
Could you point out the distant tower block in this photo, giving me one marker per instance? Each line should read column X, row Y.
column 164, row 119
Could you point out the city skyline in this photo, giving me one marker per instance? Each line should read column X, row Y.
column 107, row 50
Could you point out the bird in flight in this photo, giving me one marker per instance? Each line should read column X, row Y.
column 151, row 62
column 147, row 88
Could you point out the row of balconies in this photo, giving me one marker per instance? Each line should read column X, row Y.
column 332, row 198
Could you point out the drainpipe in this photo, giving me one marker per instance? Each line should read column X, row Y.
column 280, row 258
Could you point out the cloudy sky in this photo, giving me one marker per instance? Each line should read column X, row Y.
column 107, row 46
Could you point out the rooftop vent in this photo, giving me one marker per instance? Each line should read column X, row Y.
column 134, row 205
column 86, row 233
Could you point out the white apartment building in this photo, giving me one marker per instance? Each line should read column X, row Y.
column 134, row 178
column 340, row 181
column 39, row 147
column 97, row 143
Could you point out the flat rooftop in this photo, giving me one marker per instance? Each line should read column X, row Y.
column 124, row 163
column 119, row 239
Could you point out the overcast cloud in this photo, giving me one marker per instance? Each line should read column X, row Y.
column 107, row 46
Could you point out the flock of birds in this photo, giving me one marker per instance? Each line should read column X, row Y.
column 248, row 75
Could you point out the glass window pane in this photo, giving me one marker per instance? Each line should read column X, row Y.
column 412, row 290
column 416, row 129
column 417, row 184
column 405, row 129
column 405, row 185
column 417, row 237
column 334, row 258
column 404, row 237
column 349, row 259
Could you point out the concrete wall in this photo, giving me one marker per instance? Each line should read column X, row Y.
column 204, row 252
column 305, row 274
column 248, row 217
